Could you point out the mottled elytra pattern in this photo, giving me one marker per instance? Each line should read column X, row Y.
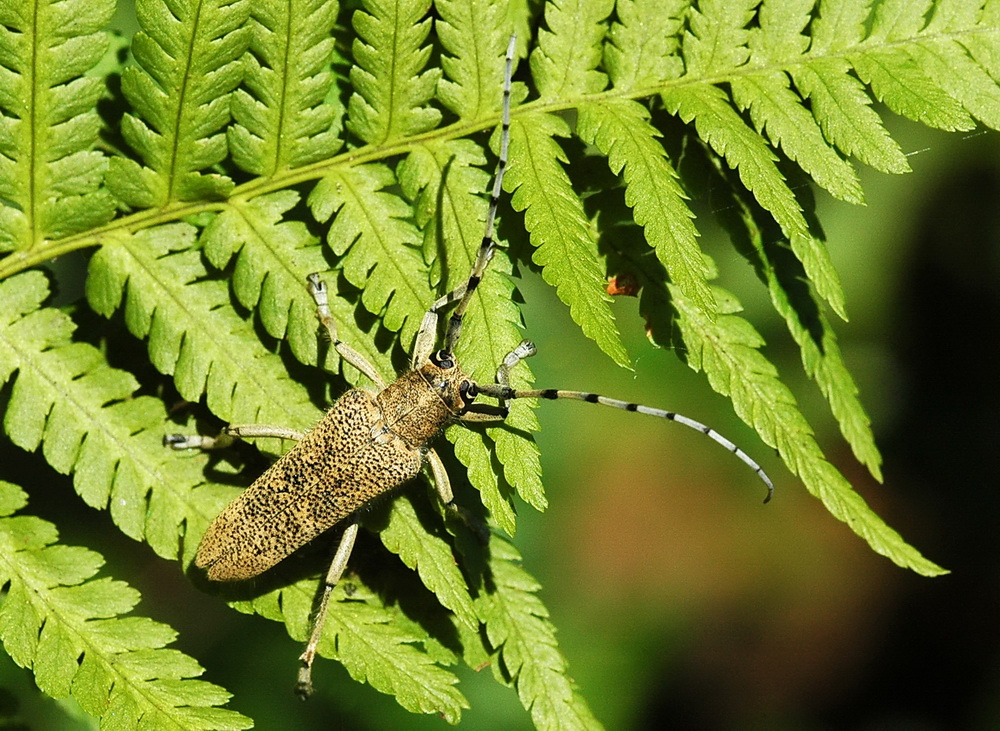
column 366, row 445
column 369, row 443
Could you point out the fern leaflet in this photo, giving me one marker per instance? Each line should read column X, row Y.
column 187, row 62
column 280, row 116
column 387, row 105
column 50, row 180
column 65, row 625
column 517, row 624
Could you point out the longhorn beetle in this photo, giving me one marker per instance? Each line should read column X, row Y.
column 369, row 443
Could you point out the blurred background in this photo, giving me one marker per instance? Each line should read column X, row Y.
column 680, row 598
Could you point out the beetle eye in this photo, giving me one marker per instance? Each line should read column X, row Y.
column 443, row 359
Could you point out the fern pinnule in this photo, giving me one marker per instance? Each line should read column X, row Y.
column 66, row 626
column 281, row 116
column 50, row 178
column 758, row 238
column 554, row 217
column 195, row 336
column 949, row 65
column 474, row 37
column 566, row 61
column 777, row 111
column 743, row 150
column 843, row 110
column 273, row 256
column 642, row 47
column 392, row 89
column 188, row 60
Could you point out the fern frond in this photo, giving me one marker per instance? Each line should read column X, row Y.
column 377, row 243
column 88, row 421
column 392, row 91
column 727, row 351
column 559, row 229
column 517, row 624
column 187, row 63
column 756, row 95
column 66, row 626
column 376, row 643
column 280, row 116
column 193, row 333
column 50, row 178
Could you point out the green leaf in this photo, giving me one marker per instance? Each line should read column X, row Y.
column 187, row 62
column 65, row 626
column 717, row 40
column 281, row 118
column 746, row 153
column 274, row 257
column 721, row 127
column 50, row 178
column 727, row 351
column 774, row 107
column 843, row 110
column 391, row 89
column 554, row 217
column 795, row 301
column 952, row 70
